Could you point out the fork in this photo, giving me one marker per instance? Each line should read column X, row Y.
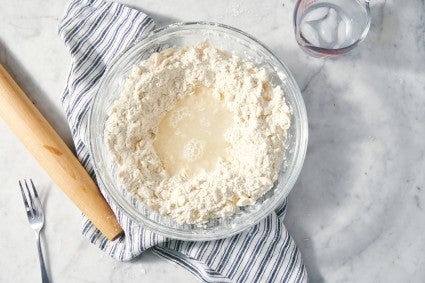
column 35, row 218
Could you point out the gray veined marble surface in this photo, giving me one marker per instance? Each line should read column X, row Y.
column 357, row 212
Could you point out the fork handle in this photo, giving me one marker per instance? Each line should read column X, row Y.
column 54, row 155
column 44, row 277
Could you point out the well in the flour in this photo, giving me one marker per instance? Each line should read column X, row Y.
column 191, row 135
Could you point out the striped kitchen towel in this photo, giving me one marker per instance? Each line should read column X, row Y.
column 95, row 32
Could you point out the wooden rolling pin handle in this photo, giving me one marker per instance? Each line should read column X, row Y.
column 54, row 155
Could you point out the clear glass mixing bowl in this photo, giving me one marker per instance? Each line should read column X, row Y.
column 180, row 35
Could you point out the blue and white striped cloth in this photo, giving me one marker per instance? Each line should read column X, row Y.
column 94, row 33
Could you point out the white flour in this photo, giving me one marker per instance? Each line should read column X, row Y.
column 254, row 139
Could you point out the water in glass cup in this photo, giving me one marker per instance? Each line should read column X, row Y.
column 330, row 27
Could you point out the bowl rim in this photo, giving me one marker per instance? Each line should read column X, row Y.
column 300, row 149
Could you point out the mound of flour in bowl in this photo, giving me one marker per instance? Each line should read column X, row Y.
column 197, row 133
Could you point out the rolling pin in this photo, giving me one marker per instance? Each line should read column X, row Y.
column 54, row 156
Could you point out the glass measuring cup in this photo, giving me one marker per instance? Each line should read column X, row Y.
column 331, row 27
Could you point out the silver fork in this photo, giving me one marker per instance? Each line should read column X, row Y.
column 35, row 218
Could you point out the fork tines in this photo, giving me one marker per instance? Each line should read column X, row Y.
column 32, row 204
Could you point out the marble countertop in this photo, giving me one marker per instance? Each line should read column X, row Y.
column 357, row 211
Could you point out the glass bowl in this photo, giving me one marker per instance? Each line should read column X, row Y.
column 180, row 35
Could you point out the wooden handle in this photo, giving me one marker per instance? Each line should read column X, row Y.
column 54, row 155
